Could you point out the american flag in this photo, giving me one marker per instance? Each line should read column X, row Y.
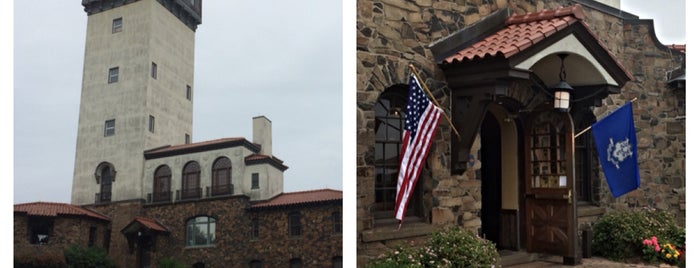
column 421, row 120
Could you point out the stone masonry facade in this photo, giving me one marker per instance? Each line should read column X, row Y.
column 393, row 34
column 234, row 246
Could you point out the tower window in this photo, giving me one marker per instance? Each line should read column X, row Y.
column 255, row 228
column 116, row 25
column 113, row 75
column 151, row 123
column 187, row 139
column 109, row 127
column 294, row 224
column 255, row 181
column 188, row 92
column 154, row 70
column 337, row 222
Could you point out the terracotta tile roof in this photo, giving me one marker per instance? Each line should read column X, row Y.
column 302, row 197
column 268, row 159
column 148, row 223
column 520, row 33
column 50, row 209
column 681, row 48
column 170, row 150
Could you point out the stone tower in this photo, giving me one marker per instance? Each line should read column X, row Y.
column 137, row 92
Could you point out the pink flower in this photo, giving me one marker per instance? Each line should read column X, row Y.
column 657, row 248
column 655, row 240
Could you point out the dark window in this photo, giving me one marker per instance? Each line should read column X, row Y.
column 255, row 228
column 188, row 92
column 221, row 177
column 109, row 127
column 255, row 264
column 187, row 139
column 295, row 263
column 190, row 181
column 107, row 239
column 153, row 70
column 294, row 223
column 198, row 265
column 389, row 122
column 113, row 75
column 91, row 237
column 116, row 25
column 255, row 181
column 201, row 231
column 337, row 222
column 337, row 262
column 161, row 184
column 106, row 179
column 40, row 229
column 585, row 159
column 151, row 123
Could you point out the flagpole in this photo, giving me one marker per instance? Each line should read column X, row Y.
column 422, row 83
column 588, row 128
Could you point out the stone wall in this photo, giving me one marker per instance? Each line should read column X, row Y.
column 234, row 245
column 66, row 232
column 392, row 34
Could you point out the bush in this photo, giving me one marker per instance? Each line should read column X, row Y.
column 77, row 256
column 447, row 248
column 620, row 235
column 40, row 260
column 170, row 263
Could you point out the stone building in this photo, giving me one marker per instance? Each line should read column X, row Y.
column 143, row 191
column 492, row 66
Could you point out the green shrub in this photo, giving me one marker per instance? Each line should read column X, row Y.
column 48, row 259
column 447, row 248
column 78, row 257
column 170, row 263
column 619, row 235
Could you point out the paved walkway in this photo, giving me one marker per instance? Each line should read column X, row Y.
column 557, row 262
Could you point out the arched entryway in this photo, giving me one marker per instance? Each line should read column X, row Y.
column 500, row 175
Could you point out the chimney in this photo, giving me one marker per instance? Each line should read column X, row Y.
column 262, row 134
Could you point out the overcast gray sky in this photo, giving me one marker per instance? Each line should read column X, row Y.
column 281, row 61
column 251, row 59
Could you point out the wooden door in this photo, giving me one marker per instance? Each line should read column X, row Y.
column 549, row 185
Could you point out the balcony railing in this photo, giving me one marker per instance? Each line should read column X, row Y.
column 184, row 194
column 160, row 197
column 104, row 197
column 218, row 190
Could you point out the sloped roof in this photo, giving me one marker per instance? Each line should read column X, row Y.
column 144, row 222
column 520, row 33
column 50, row 209
column 302, row 197
column 679, row 47
column 265, row 159
column 171, row 150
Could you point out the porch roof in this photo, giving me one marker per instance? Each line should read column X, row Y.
column 139, row 223
column 492, row 38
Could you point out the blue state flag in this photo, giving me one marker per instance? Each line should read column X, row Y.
column 615, row 137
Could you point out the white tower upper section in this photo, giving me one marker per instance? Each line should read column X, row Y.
column 137, row 92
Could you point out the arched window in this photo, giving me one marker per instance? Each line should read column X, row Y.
column 221, row 177
column 161, row 184
column 388, row 129
column 190, row 181
column 104, row 175
column 201, row 231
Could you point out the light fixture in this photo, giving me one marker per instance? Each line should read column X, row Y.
column 562, row 90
